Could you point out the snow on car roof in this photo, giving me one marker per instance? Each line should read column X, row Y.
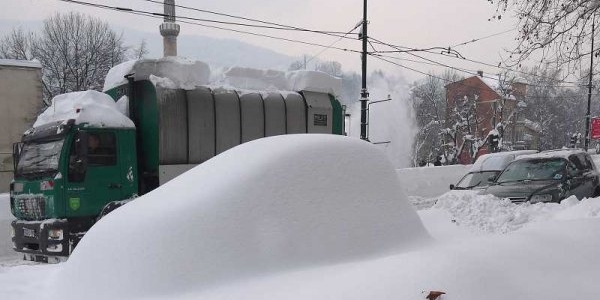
column 299, row 201
column 562, row 153
column 497, row 161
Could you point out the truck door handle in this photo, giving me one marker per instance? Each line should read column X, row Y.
column 114, row 186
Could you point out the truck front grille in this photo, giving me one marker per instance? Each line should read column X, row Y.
column 32, row 208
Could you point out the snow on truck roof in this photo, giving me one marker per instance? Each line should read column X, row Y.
column 185, row 73
column 177, row 72
column 91, row 107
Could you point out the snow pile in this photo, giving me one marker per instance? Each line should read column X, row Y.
column 123, row 105
column 184, row 73
column 314, row 81
column 178, row 72
column 5, row 240
column 91, row 107
column 269, row 80
column 488, row 213
column 298, row 201
column 254, row 79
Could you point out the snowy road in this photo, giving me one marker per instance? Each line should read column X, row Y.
column 7, row 255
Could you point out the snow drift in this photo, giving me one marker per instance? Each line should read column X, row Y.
column 275, row 204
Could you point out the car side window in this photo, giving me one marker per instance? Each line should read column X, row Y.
column 576, row 160
column 588, row 162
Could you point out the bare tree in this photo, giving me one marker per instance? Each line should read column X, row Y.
column 16, row 45
column 559, row 30
column 76, row 52
column 138, row 52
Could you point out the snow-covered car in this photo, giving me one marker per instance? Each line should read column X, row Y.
column 486, row 168
column 548, row 176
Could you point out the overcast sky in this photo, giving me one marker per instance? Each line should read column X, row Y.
column 419, row 24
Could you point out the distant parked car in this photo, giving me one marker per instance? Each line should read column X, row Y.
column 486, row 168
column 548, row 176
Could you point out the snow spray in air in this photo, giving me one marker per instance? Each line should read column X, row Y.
column 390, row 121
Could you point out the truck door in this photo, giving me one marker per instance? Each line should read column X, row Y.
column 97, row 179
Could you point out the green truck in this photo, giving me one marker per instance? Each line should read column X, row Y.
column 86, row 161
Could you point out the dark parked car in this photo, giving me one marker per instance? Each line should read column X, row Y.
column 548, row 176
column 486, row 168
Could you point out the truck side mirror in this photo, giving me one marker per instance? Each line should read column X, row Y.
column 17, row 148
column 78, row 158
column 452, row 186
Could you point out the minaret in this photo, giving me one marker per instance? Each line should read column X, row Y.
column 169, row 30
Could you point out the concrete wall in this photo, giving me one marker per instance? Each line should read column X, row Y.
column 20, row 103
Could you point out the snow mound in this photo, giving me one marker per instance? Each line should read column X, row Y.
column 271, row 205
column 314, row 81
column 91, row 107
column 488, row 213
column 183, row 72
column 254, row 79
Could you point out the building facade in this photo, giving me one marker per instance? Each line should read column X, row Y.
column 478, row 107
column 20, row 103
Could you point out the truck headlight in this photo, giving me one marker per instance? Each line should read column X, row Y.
column 540, row 198
column 12, row 232
column 55, row 234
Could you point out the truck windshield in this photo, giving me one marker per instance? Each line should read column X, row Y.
column 39, row 158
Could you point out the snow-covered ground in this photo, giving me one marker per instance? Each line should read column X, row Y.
column 302, row 240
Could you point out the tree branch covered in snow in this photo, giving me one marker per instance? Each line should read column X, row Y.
column 558, row 30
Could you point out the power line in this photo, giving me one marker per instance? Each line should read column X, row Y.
column 251, row 19
column 199, row 19
column 401, row 49
column 483, row 38
column 160, row 15
column 380, row 57
column 335, row 42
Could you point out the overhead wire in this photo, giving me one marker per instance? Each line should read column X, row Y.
column 335, row 42
column 186, row 21
column 248, row 19
column 269, row 25
column 483, row 38
column 409, row 51
column 272, row 25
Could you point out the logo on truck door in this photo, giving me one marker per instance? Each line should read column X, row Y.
column 320, row 120
column 74, row 203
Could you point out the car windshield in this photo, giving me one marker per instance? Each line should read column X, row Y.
column 476, row 179
column 533, row 169
column 39, row 157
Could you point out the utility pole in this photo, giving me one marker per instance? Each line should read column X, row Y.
column 364, row 94
column 587, row 116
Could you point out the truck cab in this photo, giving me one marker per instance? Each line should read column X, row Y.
column 65, row 173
